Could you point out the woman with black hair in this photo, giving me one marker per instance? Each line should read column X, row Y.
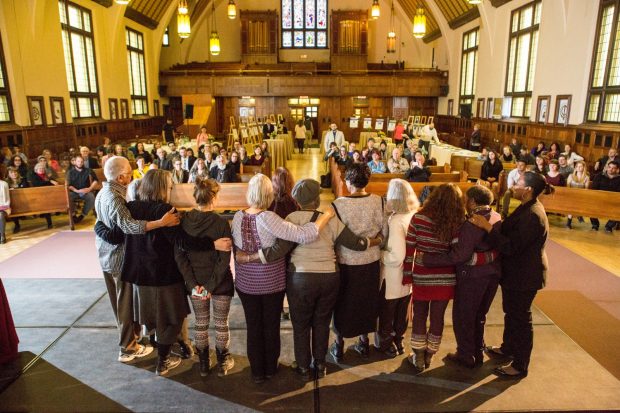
column 521, row 243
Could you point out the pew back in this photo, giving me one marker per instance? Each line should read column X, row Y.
column 230, row 197
column 40, row 200
column 583, row 202
column 380, row 188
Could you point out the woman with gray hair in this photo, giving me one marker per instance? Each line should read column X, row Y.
column 261, row 285
column 402, row 203
column 313, row 278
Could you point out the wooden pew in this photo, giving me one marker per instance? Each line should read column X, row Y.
column 380, row 188
column 40, row 200
column 264, row 169
column 231, row 196
column 435, row 177
column 583, row 202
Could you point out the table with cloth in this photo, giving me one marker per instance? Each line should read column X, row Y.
column 443, row 153
column 277, row 152
column 290, row 146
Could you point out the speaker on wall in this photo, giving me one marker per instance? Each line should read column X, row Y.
column 444, row 90
column 189, row 111
column 465, row 111
column 162, row 90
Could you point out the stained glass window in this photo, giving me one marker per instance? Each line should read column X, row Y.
column 6, row 112
column 304, row 23
column 78, row 45
column 604, row 100
column 522, row 49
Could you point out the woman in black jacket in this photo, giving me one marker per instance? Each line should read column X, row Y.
column 208, row 277
column 521, row 243
column 150, row 265
column 491, row 168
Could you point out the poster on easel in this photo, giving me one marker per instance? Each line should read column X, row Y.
column 391, row 125
column 379, row 124
column 367, row 123
column 354, row 123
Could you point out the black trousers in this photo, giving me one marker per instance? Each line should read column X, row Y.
column 472, row 299
column 300, row 145
column 609, row 226
column 393, row 321
column 262, row 316
column 312, row 297
column 518, row 329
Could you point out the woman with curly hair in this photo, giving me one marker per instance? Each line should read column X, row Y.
column 430, row 231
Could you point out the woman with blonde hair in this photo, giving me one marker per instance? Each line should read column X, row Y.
column 431, row 230
column 402, row 203
column 261, row 286
column 580, row 178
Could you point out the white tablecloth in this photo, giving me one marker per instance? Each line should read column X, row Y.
column 443, row 153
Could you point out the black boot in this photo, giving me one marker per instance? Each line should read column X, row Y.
column 185, row 350
column 205, row 361
column 166, row 362
column 2, row 239
column 225, row 362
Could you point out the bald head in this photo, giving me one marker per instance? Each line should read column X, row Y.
column 115, row 167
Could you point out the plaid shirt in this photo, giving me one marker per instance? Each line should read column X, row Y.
column 111, row 210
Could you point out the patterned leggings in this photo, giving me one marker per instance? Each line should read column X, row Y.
column 202, row 310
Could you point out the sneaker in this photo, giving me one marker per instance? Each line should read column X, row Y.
column 142, row 351
column 167, row 364
column 185, row 351
column 361, row 348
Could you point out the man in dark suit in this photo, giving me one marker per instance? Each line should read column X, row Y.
column 90, row 162
column 268, row 129
column 186, row 161
column 161, row 160
column 521, row 243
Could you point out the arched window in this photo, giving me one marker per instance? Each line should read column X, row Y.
column 304, row 24
column 6, row 111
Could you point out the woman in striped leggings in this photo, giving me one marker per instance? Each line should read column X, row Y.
column 208, row 277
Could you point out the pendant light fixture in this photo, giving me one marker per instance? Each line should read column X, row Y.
column 474, row 2
column 375, row 10
column 122, row 2
column 419, row 24
column 232, row 9
column 183, row 24
column 214, row 39
column 391, row 37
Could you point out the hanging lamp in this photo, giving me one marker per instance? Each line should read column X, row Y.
column 474, row 2
column 375, row 10
column 391, row 37
column 122, row 2
column 183, row 9
column 183, row 26
column 419, row 24
column 214, row 39
column 232, row 9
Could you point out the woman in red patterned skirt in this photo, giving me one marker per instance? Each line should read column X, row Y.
column 431, row 231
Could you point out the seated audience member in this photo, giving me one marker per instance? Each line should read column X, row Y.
column 484, row 154
column 474, row 140
column 179, row 175
column 343, row 157
column 383, row 150
column 186, row 161
column 140, row 151
column 601, row 164
column 264, row 147
column 352, row 148
column 5, row 209
column 18, row 163
column 51, row 174
column 190, row 153
column 90, row 162
column 257, row 158
column 410, row 150
column 209, row 160
column 507, row 156
column 283, row 203
column 14, row 179
column 172, row 151
column 564, row 168
column 514, row 181
column 17, row 151
column 608, row 181
column 476, row 282
column 235, row 162
column 223, row 171
column 376, row 165
column 162, row 161
column 118, row 151
column 539, row 149
column 81, row 183
column 370, row 145
column 39, row 178
column 491, row 168
column 153, row 166
column 201, row 151
column 332, row 152
column 141, row 169
column 366, row 155
column 541, row 165
column 397, row 164
column 515, row 146
column 527, row 157
column 5, row 155
column 419, row 172
column 554, row 177
column 243, row 155
column 571, row 156
column 100, row 152
column 357, row 157
column 236, row 146
column 199, row 171
column 554, row 151
column 156, row 146
column 51, row 162
column 580, row 178
column 109, row 152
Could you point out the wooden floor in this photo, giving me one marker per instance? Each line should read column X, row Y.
column 598, row 247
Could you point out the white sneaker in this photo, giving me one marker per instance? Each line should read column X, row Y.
column 142, row 351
